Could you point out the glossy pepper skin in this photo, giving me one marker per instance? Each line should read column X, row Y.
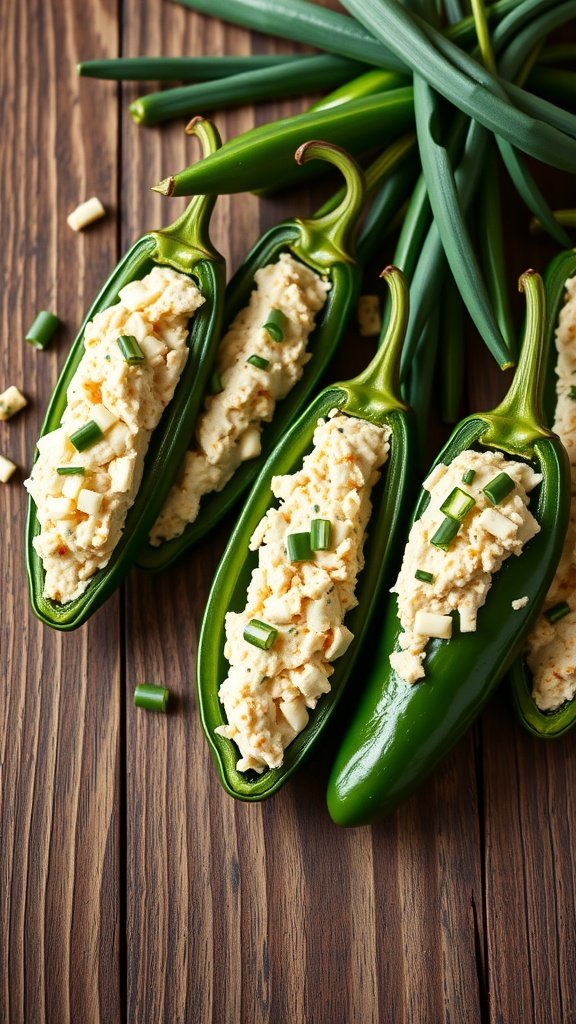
column 546, row 724
column 322, row 243
column 374, row 395
column 185, row 246
column 399, row 732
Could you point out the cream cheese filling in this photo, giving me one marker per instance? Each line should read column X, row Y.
column 82, row 516
column 461, row 576
column 267, row 694
column 551, row 647
column 229, row 428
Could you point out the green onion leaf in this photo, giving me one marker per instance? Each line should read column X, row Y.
column 275, row 324
column 457, row 504
column 260, row 634
column 130, row 349
column 258, row 361
column 445, row 533
column 499, row 488
column 573, row 392
column 468, row 476
column 71, row 470
column 42, row 329
column 557, row 611
column 298, row 547
column 151, row 697
column 215, row 385
column 423, row 576
column 86, row 436
column 320, row 530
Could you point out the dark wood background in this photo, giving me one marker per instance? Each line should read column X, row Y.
column 131, row 887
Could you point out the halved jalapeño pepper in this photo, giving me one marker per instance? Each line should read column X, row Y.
column 400, row 731
column 372, row 396
column 546, row 724
column 323, row 244
column 184, row 246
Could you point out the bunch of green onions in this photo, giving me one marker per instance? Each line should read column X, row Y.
column 487, row 89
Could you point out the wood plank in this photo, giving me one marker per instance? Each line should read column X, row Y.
column 60, row 707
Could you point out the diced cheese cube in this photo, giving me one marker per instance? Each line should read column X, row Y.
column 153, row 349
column 435, row 476
column 11, row 401
column 89, row 501
column 341, row 640
column 368, row 314
column 59, row 508
column 103, row 417
column 497, row 524
column 7, row 469
column 118, row 438
column 312, row 682
column 72, row 486
column 122, row 473
column 85, row 214
column 54, row 445
column 433, row 625
column 249, row 444
column 295, row 714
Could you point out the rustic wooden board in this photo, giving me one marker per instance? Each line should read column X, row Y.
column 131, row 887
column 60, row 807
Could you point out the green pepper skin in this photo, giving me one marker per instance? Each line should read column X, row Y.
column 320, row 242
column 546, row 724
column 370, row 397
column 399, row 732
column 184, row 247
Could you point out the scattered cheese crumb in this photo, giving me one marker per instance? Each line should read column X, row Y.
column 85, row 214
column 7, row 469
column 368, row 315
column 519, row 603
column 11, row 401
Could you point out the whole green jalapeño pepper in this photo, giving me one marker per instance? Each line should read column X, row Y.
column 323, row 243
column 546, row 724
column 185, row 246
column 400, row 731
column 374, row 396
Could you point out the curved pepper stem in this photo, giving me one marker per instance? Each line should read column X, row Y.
column 518, row 421
column 382, row 375
column 325, row 238
column 187, row 240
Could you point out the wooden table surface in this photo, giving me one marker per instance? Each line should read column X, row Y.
column 131, row 887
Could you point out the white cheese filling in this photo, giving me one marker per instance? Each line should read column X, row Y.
column 551, row 647
column 461, row 576
column 267, row 694
column 82, row 516
column 228, row 431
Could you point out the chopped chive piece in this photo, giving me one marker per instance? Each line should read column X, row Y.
column 275, row 323
column 445, row 533
column 298, row 547
column 130, row 349
column 42, row 329
column 457, row 504
column 86, row 436
column 468, row 476
column 557, row 611
column 423, row 576
column 258, row 361
column 499, row 488
column 320, row 530
column 151, row 697
column 260, row 634
column 71, row 470
column 316, row 508
column 573, row 392
column 215, row 385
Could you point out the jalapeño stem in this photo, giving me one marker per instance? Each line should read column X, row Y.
column 518, row 421
column 382, row 374
column 326, row 238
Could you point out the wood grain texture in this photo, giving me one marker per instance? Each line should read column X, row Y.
column 131, row 887
column 60, row 704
